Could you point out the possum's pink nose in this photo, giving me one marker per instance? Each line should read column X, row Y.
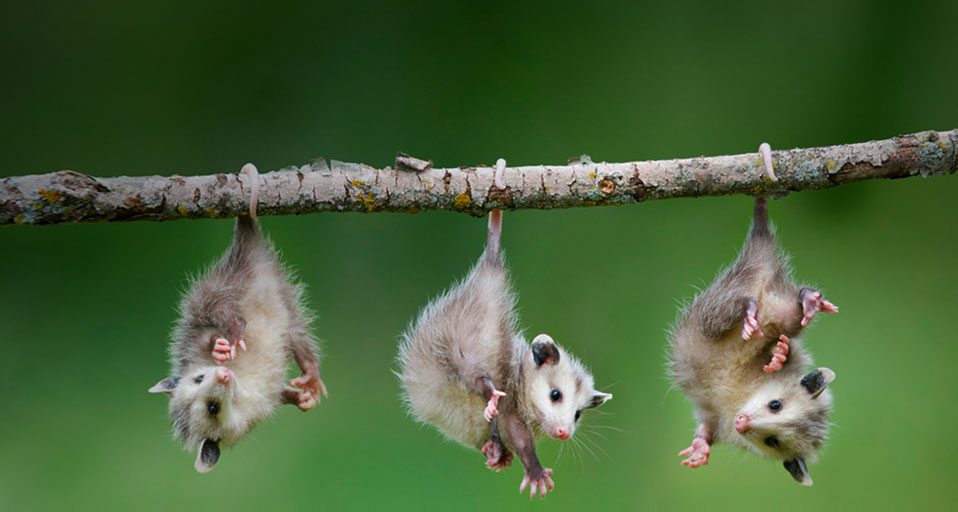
column 222, row 375
column 743, row 423
column 560, row 433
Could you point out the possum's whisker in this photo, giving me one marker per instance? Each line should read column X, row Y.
column 609, row 427
column 582, row 441
column 596, row 445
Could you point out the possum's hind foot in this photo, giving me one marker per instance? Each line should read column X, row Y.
column 779, row 355
column 224, row 351
column 750, row 324
column 307, row 389
column 812, row 303
column 498, row 457
column 697, row 454
column 540, row 479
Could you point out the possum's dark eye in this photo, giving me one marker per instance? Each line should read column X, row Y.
column 198, row 379
column 577, row 415
column 775, row 405
column 771, row 441
column 213, row 407
column 555, row 395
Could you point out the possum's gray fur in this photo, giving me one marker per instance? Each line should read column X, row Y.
column 722, row 374
column 468, row 340
column 247, row 295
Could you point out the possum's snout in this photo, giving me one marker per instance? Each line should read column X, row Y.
column 560, row 433
column 743, row 423
column 223, row 375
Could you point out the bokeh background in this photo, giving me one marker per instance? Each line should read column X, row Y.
column 113, row 88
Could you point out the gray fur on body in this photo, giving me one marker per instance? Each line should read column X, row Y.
column 249, row 295
column 721, row 373
column 466, row 342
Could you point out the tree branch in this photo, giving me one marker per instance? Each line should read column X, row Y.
column 68, row 196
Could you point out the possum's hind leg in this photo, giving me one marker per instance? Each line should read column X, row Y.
column 498, row 457
column 812, row 303
column 305, row 389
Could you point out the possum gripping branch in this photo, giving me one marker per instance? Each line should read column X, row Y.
column 69, row 196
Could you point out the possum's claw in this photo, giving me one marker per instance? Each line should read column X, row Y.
column 541, row 480
column 812, row 303
column 750, row 324
column 492, row 407
column 310, row 386
column 497, row 456
column 779, row 355
column 697, row 454
column 223, row 351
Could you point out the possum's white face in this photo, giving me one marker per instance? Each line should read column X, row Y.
column 202, row 407
column 788, row 420
column 559, row 389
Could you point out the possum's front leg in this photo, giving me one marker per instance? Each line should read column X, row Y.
column 490, row 393
column 698, row 453
column 536, row 477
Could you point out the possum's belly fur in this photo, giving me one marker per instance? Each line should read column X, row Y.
column 261, row 370
column 445, row 404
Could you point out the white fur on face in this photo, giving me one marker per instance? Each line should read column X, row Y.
column 799, row 427
column 189, row 407
column 576, row 393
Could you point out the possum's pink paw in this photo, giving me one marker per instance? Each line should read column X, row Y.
column 310, row 386
column 223, row 351
column 697, row 454
column 812, row 303
column 492, row 407
column 541, row 480
column 750, row 324
column 497, row 456
column 779, row 355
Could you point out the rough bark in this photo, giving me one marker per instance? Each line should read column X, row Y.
column 69, row 196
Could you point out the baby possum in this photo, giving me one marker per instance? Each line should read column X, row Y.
column 246, row 300
column 720, row 356
column 467, row 370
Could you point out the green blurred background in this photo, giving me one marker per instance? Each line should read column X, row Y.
column 152, row 87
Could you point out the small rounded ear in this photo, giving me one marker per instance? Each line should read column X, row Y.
column 817, row 380
column 796, row 468
column 166, row 385
column 544, row 350
column 207, row 456
column 599, row 398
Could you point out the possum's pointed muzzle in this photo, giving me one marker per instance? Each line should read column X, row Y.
column 743, row 423
column 223, row 376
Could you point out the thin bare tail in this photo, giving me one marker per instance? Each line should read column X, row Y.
column 760, row 219
column 246, row 225
column 250, row 171
column 493, row 240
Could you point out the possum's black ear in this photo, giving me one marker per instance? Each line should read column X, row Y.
column 207, row 456
column 165, row 386
column 599, row 399
column 817, row 380
column 544, row 350
column 796, row 468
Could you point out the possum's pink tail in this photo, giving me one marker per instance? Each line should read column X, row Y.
column 760, row 218
column 493, row 243
column 250, row 171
